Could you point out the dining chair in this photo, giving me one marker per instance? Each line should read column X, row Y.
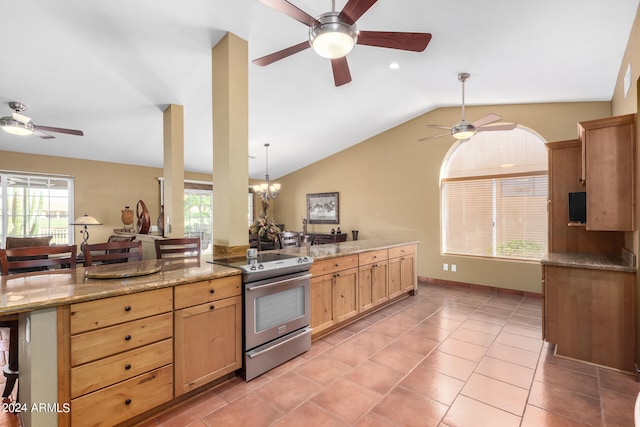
column 254, row 241
column 178, row 248
column 112, row 252
column 23, row 242
column 117, row 238
column 22, row 260
column 289, row 239
column 322, row 239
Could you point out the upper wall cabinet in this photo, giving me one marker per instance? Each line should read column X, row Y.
column 608, row 156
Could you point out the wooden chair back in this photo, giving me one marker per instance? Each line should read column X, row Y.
column 254, row 241
column 112, row 252
column 36, row 258
column 116, row 238
column 186, row 247
column 289, row 239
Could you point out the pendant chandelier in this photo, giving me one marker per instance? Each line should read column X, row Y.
column 266, row 190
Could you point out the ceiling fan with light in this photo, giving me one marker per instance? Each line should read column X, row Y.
column 465, row 130
column 19, row 124
column 332, row 35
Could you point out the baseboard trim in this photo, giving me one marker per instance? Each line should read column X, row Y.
column 476, row 287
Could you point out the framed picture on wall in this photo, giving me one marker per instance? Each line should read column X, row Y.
column 323, row 208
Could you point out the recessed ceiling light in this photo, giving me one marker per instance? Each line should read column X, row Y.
column 394, row 65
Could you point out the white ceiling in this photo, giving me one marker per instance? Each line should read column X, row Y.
column 109, row 68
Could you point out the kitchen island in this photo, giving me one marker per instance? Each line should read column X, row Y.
column 89, row 328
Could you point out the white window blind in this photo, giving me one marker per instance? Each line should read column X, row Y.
column 494, row 197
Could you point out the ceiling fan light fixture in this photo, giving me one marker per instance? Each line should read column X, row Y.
column 332, row 38
column 14, row 127
column 463, row 130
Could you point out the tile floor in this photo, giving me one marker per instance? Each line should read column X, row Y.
column 448, row 356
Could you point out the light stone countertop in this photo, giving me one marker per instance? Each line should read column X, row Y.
column 35, row 291
column 589, row 261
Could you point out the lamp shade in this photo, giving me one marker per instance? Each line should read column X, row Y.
column 15, row 127
column 86, row 220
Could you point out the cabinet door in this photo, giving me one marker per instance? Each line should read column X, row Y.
column 208, row 342
column 322, row 302
column 395, row 277
column 608, row 169
column 365, row 287
column 379, row 284
column 407, row 273
column 345, row 294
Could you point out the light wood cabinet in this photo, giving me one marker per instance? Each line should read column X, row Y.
column 372, row 278
column 591, row 314
column 402, row 273
column 334, row 292
column 120, row 357
column 608, row 156
column 208, row 332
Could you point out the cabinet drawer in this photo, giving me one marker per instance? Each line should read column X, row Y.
column 207, row 291
column 110, row 370
column 335, row 264
column 122, row 401
column 94, row 345
column 402, row 251
column 373, row 256
column 91, row 315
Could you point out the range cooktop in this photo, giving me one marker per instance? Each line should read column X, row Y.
column 267, row 265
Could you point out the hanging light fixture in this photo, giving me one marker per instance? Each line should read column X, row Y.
column 267, row 190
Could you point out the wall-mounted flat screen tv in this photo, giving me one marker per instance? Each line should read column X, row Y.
column 578, row 207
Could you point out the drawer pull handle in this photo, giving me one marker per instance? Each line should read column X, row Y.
column 211, row 307
column 127, row 402
column 337, row 265
column 127, row 366
column 127, row 308
column 127, row 337
column 211, row 291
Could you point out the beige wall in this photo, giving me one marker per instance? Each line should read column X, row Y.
column 389, row 187
column 102, row 189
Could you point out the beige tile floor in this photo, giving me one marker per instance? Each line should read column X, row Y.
column 448, row 356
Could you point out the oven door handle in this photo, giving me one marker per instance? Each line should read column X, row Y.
column 279, row 282
column 294, row 335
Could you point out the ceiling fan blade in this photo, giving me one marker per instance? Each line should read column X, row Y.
column 354, row 9
column 435, row 136
column 43, row 135
column 489, row 118
column 415, row 42
column 341, row 73
column 59, row 130
column 499, row 126
column 281, row 54
column 292, row 11
column 439, row 127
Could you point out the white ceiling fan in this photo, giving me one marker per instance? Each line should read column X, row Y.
column 19, row 124
column 465, row 130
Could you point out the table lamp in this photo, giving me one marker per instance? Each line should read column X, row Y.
column 85, row 220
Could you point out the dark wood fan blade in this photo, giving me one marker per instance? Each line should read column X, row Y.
column 341, row 73
column 354, row 9
column 292, row 11
column 489, row 118
column 60, row 130
column 281, row 54
column 435, row 136
column 416, row 42
column 500, row 126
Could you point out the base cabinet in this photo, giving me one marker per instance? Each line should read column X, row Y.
column 402, row 272
column 372, row 278
column 208, row 335
column 591, row 315
column 120, row 357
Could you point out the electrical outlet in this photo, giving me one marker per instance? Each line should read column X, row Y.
column 453, row 268
column 445, row 267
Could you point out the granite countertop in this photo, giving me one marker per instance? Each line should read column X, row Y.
column 335, row 250
column 590, row 261
column 34, row 291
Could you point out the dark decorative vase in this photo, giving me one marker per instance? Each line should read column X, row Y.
column 161, row 221
column 354, row 234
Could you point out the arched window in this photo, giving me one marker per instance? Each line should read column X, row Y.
column 494, row 196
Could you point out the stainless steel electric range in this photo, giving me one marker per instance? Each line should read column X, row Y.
column 276, row 309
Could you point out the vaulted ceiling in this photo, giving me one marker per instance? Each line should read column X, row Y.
column 111, row 67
